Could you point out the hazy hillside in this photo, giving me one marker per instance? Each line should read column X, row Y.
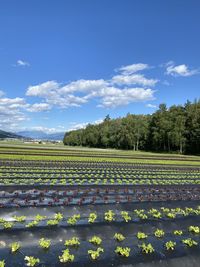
column 4, row 134
column 42, row 135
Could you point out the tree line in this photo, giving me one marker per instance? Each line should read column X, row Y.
column 176, row 128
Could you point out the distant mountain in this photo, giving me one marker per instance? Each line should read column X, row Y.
column 4, row 134
column 42, row 135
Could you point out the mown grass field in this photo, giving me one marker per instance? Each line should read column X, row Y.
column 17, row 150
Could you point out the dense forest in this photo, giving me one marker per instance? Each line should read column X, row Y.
column 168, row 129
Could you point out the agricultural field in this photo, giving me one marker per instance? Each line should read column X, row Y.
column 64, row 206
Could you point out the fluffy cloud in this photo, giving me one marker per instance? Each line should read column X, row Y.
column 38, row 107
column 11, row 112
column 22, row 63
column 84, row 86
column 43, row 89
column 109, row 93
column 128, row 76
column 133, row 79
column 46, row 129
column 130, row 69
column 179, row 70
column 126, row 96
column 82, row 125
column 151, row 106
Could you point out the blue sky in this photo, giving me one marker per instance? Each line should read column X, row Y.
column 66, row 63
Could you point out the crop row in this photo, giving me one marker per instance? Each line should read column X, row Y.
column 108, row 216
column 96, row 181
column 92, row 164
column 97, row 249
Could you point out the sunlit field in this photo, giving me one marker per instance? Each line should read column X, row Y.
column 97, row 207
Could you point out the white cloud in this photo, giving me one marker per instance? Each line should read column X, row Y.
column 38, row 107
column 126, row 96
column 83, row 125
column 130, row 69
column 180, row 70
column 2, row 93
column 11, row 114
column 84, row 86
column 47, row 130
column 133, row 79
column 22, row 63
column 107, row 93
column 128, row 76
column 151, row 106
column 43, row 89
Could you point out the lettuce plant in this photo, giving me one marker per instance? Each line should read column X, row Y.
column 194, row 229
column 8, row 225
column 125, row 215
column 123, row 251
column 159, row 233
column 178, row 232
column 31, row 261
column 39, row 217
column 20, row 219
column 94, row 254
column 109, row 216
column 170, row 245
column 119, row 237
column 92, row 217
column 44, row 243
column 189, row 242
column 66, row 256
column 147, row 248
column 96, row 240
column 141, row 235
column 74, row 241
column 52, row 222
column 73, row 220
column 58, row 216
column 15, row 246
column 32, row 224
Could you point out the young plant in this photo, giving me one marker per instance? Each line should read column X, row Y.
column 147, row 248
column 123, row 251
column 119, row 237
column 39, row 217
column 73, row 220
column 66, row 256
column 109, row 216
column 44, row 243
column 178, row 232
column 52, row 222
column 170, row 245
column 58, row 216
column 171, row 215
column 189, row 242
column 194, row 229
column 20, row 219
column 31, row 261
column 94, row 254
column 2, row 263
column 8, row 225
column 159, row 233
column 73, row 242
column 15, row 246
column 92, row 217
column 96, row 240
column 125, row 216
column 141, row 235
column 32, row 224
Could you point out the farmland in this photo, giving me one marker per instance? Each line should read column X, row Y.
column 64, row 206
